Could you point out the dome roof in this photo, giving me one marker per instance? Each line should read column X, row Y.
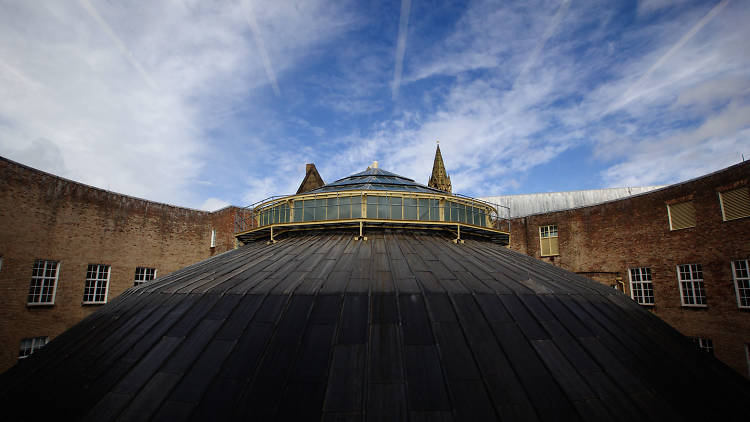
column 375, row 179
column 405, row 325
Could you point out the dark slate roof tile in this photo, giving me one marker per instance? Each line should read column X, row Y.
column 382, row 282
column 108, row 407
column 424, row 379
column 246, row 355
column 249, row 283
column 431, row 417
column 240, row 317
column 407, row 286
column 289, row 283
column 173, row 411
column 342, row 417
column 546, row 396
column 455, row 353
column 565, row 374
column 271, row 309
column 346, row 380
column 400, row 269
column 384, row 309
column 530, row 325
column 414, row 320
column 147, row 367
column 470, row 401
column 301, row 402
column 477, row 286
column 493, row 309
column 354, row 327
column 192, row 346
column 224, row 307
column 570, row 347
column 195, row 382
column 193, row 316
column 312, row 363
column 386, row 402
column 149, row 398
column 358, row 285
column 428, row 282
column 592, row 410
column 440, row 308
column 326, row 310
column 336, row 282
column 385, row 354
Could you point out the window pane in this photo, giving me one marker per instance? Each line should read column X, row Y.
column 424, row 209
column 298, row 213
column 309, row 214
column 320, row 209
column 372, row 207
column 396, row 211
column 332, row 212
column 356, row 206
column 434, row 210
column 410, row 208
column 383, row 207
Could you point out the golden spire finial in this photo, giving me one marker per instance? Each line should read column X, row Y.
column 438, row 141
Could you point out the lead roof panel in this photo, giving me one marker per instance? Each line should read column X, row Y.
column 403, row 325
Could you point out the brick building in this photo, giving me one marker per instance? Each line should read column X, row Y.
column 81, row 246
column 681, row 251
column 90, row 245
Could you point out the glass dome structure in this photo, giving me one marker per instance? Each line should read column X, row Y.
column 374, row 197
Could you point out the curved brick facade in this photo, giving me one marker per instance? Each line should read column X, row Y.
column 604, row 241
column 46, row 217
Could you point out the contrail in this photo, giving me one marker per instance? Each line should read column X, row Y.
column 540, row 45
column 627, row 96
column 400, row 46
column 123, row 49
column 18, row 75
column 255, row 29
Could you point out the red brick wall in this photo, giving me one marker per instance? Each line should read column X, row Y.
column 605, row 240
column 47, row 217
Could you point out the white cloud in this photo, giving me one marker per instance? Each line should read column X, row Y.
column 125, row 95
column 213, row 204
column 684, row 79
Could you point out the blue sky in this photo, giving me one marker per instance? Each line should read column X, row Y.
column 209, row 103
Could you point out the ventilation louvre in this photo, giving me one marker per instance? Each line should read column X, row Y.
column 735, row 203
column 682, row 215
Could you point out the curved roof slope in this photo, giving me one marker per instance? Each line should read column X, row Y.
column 537, row 203
column 325, row 327
column 375, row 179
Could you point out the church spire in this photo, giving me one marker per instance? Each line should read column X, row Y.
column 439, row 179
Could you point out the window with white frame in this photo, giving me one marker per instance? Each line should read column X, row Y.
column 741, row 274
column 641, row 286
column 43, row 282
column 213, row 238
column 704, row 344
column 143, row 274
column 692, row 289
column 548, row 240
column 97, row 284
column 30, row 345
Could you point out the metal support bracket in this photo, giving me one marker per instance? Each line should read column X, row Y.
column 272, row 241
column 458, row 239
column 361, row 232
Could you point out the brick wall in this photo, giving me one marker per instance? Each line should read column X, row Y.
column 604, row 241
column 46, row 217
